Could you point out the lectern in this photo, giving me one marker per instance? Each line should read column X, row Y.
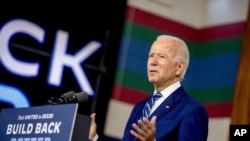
column 44, row 123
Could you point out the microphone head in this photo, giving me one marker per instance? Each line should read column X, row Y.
column 68, row 94
column 64, row 98
column 81, row 97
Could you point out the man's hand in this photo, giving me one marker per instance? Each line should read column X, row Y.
column 93, row 126
column 144, row 130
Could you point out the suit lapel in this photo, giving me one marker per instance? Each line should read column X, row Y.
column 169, row 103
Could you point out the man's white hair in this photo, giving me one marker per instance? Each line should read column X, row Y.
column 183, row 53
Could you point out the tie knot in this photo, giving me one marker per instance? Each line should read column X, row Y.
column 157, row 96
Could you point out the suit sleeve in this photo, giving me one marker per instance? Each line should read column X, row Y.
column 132, row 118
column 194, row 126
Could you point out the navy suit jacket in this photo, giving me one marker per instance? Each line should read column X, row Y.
column 179, row 118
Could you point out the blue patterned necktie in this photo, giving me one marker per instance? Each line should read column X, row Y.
column 149, row 104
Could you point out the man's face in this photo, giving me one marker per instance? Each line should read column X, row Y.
column 162, row 66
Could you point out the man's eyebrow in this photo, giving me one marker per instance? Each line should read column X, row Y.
column 162, row 54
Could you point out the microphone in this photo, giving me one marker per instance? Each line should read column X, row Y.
column 78, row 97
column 71, row 97
column 63, row 98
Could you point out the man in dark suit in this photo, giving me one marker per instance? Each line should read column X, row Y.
column 173, row 115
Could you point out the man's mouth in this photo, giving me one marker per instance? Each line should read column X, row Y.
column 152, row 71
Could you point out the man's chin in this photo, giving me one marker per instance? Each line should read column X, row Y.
column 152, row 80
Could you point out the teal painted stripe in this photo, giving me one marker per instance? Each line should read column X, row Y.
column 140, row 83
column 229, row 45
column 213, row 95
column 212, row 71
column 133, row 80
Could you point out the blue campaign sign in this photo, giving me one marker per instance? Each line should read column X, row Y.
column 40, row 123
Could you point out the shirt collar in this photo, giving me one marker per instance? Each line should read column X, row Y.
column 170, row 89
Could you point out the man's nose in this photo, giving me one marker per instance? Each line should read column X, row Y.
column 153, row 61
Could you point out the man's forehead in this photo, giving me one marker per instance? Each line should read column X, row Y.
column 170, row 45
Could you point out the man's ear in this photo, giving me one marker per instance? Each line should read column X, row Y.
column 180, row 68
